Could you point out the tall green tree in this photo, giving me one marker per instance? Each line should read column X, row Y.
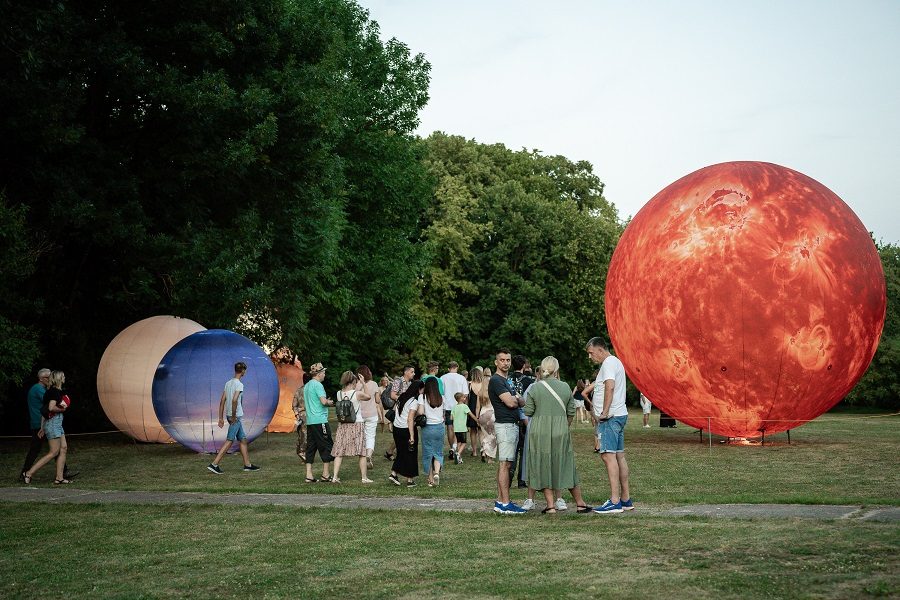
column 212, row 160
column 880, row 386
column 520, row 243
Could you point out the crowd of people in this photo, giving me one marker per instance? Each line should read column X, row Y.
column 513, row 416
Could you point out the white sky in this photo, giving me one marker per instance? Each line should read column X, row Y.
column 651, row 90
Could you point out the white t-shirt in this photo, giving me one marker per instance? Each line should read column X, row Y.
column 454, row 383
column 433, row 416
column 401, row 419
column 645, row 404
column 612, row 368
column 234, row 385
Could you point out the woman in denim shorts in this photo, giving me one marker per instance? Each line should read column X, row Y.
column 56, row 403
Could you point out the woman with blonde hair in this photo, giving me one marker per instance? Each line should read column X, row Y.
column 550, row 456
column 54, row 405
column 350, row 439
column 486, row 420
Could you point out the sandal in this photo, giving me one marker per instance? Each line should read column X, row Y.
column 335, row 480
column 26, row 478
column 325, row 479
column 59, row 481
column 583, row 510
column 549, row 511
column 311, row 480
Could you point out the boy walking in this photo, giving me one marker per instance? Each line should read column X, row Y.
column 232, row 397
column 459, row 413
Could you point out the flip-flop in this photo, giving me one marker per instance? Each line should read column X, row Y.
column 311, row 480
column 547, row 510
column 583, row 510
column 59, row 481
column 26, row 478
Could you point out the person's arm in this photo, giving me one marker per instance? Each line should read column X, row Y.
column 411, row 423
column 529, row 405
column 222, row 410
column 325, row 401
column 41, row 430
column 395, row 391
column 608, row 386
column 234, row 401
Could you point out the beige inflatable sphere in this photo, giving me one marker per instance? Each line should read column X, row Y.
column 125, row 375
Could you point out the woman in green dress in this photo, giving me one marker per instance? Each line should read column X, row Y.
column 551, row 458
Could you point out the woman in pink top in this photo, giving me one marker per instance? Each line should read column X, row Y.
column 368, row 409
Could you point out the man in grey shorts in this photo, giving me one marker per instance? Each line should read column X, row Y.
column 506, row 411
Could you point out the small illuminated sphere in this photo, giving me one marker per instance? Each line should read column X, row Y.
column 125, row 374
column 745, row 298
column 191, row 377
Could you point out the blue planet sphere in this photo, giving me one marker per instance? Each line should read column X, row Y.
column 191, row 377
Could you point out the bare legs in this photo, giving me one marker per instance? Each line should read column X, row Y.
column 617, row 470
column 58, row 448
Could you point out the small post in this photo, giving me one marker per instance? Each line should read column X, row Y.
column 763, row 436
column 789, row 437
column 708, row 426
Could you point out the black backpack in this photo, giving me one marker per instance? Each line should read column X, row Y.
column 344, row 410
column 386, row 401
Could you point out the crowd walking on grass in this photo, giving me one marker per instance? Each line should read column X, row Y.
column 511, row 416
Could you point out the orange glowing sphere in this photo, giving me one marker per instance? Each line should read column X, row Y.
column 745, row 298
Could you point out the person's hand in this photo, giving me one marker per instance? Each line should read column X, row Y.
column 40, row 433
column 221, row 423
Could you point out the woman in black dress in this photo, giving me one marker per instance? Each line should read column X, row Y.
column 407, row 462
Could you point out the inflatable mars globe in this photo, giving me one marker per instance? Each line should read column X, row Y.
column 125, row 374
column 189, row 381
column 745, row 298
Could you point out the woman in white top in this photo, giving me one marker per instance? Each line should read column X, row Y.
column 350, row 439
column 431, row 404
column 406, row 437
column 369, row 410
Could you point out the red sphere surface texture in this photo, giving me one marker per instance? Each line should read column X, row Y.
column 745, row 298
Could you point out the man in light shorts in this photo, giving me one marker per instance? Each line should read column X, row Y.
column 506, row 411
column 610, row 415
column 645, row 407
column 232, row 402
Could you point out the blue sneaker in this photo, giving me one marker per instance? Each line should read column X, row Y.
column 627, row 504
column 498, row 508
column 608, row 508
column 513, row 509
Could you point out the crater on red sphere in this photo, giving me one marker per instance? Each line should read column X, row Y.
column 745, row 297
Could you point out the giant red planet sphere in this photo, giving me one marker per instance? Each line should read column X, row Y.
column 745, row 298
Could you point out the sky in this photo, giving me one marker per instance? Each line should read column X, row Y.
column 650, row 91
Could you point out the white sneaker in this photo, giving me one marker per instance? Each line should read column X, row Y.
column 561, row 504
column 646, row 427
column 528, row 505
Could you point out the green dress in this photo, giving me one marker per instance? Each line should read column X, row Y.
column 551, row 457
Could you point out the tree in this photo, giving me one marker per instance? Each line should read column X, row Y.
column 880, row 386
column 212, row 160
column 520, row 243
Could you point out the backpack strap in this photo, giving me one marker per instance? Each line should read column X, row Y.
column 555, row 395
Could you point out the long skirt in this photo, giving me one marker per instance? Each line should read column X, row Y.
column 350, row 440
column 488, row 434
column 432, row 445
column 406, row 463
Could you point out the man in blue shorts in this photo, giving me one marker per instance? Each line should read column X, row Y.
column 610, row 416
column 232, row 397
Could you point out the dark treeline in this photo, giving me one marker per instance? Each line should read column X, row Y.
column 252, row 165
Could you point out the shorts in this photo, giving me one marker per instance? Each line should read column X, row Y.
column 507, row 441
column 448, row 418
column 236, row 431
column 318, row 439
column 579, row 404
column 612, row 434
column 53, row 427
column 460, row 437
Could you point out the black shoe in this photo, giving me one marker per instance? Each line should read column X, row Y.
column 251, row 467
column 522, row 484
column 452, row 455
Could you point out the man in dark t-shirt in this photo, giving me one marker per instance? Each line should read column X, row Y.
column 506, row 412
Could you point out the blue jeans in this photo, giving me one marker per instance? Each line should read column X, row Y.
column 236, row 431
column 432, row 445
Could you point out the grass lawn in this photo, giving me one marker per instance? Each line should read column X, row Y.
column 841, row 458
column 143, row 551
column 114, row 551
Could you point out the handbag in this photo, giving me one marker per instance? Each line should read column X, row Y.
column 421, row 420
column 390, row 415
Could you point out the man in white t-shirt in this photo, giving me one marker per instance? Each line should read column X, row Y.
column 454, row 383
column 646, row 405
column 610, row 416
column 231, row 408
